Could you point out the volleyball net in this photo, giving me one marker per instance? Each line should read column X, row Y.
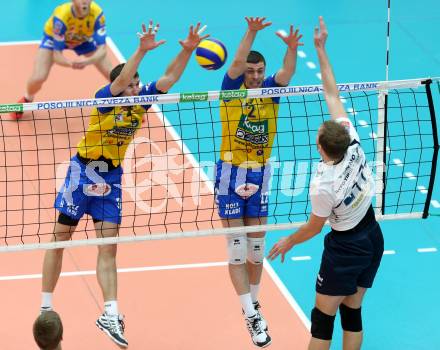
column 169, row 167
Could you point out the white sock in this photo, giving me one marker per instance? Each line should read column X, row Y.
column 46, row 300
column 111, row 307
column 255, row 289
column 246, row 304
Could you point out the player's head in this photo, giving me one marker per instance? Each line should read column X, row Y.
column 255, row 70
column 133, row 88
column 48, row 331
column 333, row 139
column 81, row 7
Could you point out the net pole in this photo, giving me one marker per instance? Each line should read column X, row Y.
column 436, row 148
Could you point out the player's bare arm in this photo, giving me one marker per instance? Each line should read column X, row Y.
column 331, row 92
column 307, row 231
column 147, row 42
column 292, row 40
column 238, row 66
column 177, row 66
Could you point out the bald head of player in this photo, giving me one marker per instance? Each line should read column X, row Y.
column 48, row 331
column 81, row 7
column 332, row 140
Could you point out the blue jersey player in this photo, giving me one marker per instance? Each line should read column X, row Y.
column 93, row 182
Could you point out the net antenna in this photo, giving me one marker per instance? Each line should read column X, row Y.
column 382, row 126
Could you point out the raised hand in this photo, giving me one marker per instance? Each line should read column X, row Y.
column 147, row 39
column 256, row 24
column 292, row 39
column 194, row 37
column 320, row 35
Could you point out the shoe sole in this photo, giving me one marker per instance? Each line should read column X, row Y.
column 105, row 330
column 265, row 345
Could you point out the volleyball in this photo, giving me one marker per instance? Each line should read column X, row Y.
column 211, row 54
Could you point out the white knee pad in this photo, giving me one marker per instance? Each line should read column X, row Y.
column 255, row 250
column 237, row 248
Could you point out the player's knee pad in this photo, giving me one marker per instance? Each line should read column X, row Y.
column 322, row 325
column 237, row 248
column 255, row 250
column 351, row 319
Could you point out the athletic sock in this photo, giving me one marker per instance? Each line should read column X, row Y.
column 111, row 307
column 246, row 304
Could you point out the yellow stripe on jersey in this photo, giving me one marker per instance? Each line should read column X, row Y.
column 248, row 131
column 109, row 134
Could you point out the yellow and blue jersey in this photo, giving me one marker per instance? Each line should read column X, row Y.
column 70, row 32
column 111, row 129
column 248, row 125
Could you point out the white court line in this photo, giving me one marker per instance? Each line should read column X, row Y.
column 302, row 54
column 389, row 252
column 289, row 297
column 422, row 189
column 363, row 123
column 373, row 135
column 352, row 111
column 427, row 250
column 311, row 65
column 12, row 43
column 435, row 203
column 301, row 258
column 124, row 270
column 319, row 76
column 410, row 175
column 343, row 100
column 398, row 162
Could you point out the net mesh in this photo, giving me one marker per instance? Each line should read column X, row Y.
column 169, row 166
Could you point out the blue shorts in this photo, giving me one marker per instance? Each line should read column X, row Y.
column 84, row 48
column 350, row 260
column 241, row 192
column 88, row 190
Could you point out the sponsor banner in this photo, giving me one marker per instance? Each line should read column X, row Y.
column 15, row 107
column 310, row 89
column 103, row 102
column 233, row 94
column 193, row 96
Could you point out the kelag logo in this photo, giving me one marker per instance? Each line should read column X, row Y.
column 11, row 108
column 255, row 127
column 256, row 132
column 193, row 96
column 233, row 94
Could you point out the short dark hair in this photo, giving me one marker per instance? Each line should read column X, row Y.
column 48, row 330
column 334, row 139
column 117, row 70
column 255, row 57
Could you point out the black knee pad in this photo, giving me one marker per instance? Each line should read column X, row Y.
column 351, row 319
column 67, row 220
column 322, row 325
